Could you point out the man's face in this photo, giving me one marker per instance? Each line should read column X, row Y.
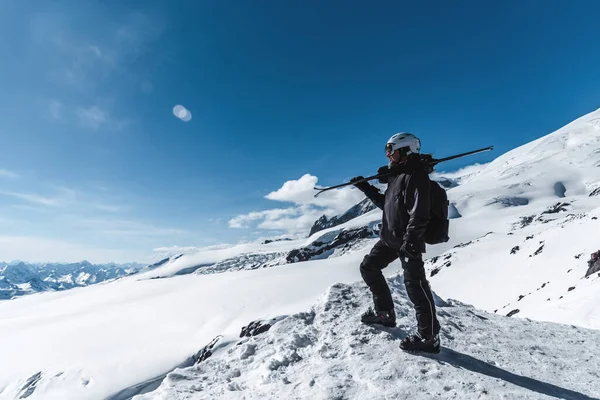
column 395, row 157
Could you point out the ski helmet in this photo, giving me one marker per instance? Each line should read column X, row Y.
column 407, row 142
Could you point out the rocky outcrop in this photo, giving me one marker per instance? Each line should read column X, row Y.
column 593, row 264
column 321, row 248
column 359, row 209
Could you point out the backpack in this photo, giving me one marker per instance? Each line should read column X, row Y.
column 437, row 228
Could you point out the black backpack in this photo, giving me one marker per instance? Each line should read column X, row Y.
column 437, row 228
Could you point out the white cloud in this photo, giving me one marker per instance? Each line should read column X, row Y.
column 8, row 174
column 302, row 192
column 33, row 198
column 306, row 210
column 92, row 117
column 296, row 191
column 303, row 222
column 65, row 196
column 243, row 221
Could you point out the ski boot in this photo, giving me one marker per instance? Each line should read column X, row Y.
column 385, row 318
column 416, row 342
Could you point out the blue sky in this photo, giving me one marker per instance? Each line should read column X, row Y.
column 96, row 166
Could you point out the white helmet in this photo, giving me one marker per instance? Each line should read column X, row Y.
column 409, row 143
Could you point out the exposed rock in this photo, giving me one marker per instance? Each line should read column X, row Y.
column 361, row 208
column 206, row 351
column 556, row 208
column 571, row 288
column 30, row 385
column 446, row 183
column 255, row 328
column 513, row 312
column 267, row 241
column 593, row 264
column 245, row 261
column 526, row 221
column 510, row 201
column 319, row 248
column 463, row 244
column 514, row 250
column 538, row 251
column 595, row 192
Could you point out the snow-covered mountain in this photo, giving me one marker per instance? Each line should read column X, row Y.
column 322, row 353
column 359, row 209
column 523, row 230
column 18, row 278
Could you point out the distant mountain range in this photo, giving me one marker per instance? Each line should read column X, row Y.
column 18, row 278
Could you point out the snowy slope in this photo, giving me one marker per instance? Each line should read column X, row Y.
column 96, row 341
column 532, row 217
column 90, row 342
column 323, row 353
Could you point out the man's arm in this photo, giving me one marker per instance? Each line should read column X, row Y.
column 370, row 191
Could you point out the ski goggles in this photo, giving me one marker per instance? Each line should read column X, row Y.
column 389, row 150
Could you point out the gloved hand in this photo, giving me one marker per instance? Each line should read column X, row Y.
column 362, row 186
column 410, row 250
column 383, row 170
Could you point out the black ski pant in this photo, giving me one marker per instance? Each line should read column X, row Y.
column 417, row 286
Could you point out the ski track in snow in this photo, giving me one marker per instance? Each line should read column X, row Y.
column 325, row 353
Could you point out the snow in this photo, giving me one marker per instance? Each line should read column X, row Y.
column 524, row 227
column 107, row 334
column 323, row 353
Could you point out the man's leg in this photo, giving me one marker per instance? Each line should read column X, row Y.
column 419, row 292
column 379, row 258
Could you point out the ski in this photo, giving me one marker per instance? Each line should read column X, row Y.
column 427, row 159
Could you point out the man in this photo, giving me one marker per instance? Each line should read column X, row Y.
column 406, row 210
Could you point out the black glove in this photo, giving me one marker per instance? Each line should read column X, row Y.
column 383, row 170
column 410, row 250
column 362, row 186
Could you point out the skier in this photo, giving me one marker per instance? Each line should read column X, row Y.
column 406, row 213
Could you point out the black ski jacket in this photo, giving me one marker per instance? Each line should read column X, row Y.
column 405, row 205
